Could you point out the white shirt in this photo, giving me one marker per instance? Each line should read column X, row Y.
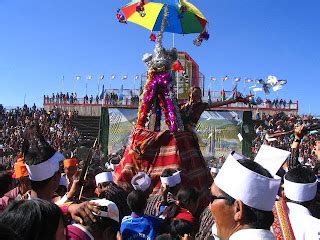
column 247, row 234
column 252, row 234
column 304, row 225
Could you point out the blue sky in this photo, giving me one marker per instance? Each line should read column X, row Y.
column 41, row 41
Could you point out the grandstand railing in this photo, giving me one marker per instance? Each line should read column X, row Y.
column 129, row 102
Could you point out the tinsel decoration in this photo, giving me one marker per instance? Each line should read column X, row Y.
column 120, row 16
column 203, row 36
column 159, row 84
column 153, row 37
column 140, row 9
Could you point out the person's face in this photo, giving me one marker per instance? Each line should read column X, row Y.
column 60, row 233
column 222, row 213
column 70, row 171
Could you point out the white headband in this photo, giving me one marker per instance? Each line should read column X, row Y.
column 251, row 188
column 104, row 177
column 300, row 192
column 45, row 170
column 141, row 181
column 173, row 180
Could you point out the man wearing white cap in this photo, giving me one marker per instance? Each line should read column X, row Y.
column 243, row 195
column 300, row 188
column 106, row 225
column 141, row 181
column 102, row 181
column 171, row 183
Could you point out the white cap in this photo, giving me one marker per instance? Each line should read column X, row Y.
column 63, row 181
column 111, row 210
column 214, row 170
column 251, row 188
column 45, row 170
column 141, row 181
column 300, row 192
column 104, row 177
column 173, row 180
column 271, row 158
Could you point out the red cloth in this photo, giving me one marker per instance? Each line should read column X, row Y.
column 184, row 214
column 75, row 233
column 178, row 151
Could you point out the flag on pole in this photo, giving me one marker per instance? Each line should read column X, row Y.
column 89, row 77
column 213, row 79
column 113, row 77
column 77, row 78
column 224, row 78
column 282, row 82
column 125, row 77
column 248, row 80
column 101, row 77
column 236, row 79
column 136, row 77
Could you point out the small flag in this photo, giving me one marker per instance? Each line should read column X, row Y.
column 248, row 80
column 257, row 89
column 77, row 78
column 113, row 77
column 260, row 81
column 213, row 79
column 89, row 77
column 277, row 88
column 282, row 82
column 224, row 78
column 236, row 79
column 136, row 77
column 125, row 77
column 101, row 77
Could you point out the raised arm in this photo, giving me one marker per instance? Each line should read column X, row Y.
column 226, row 102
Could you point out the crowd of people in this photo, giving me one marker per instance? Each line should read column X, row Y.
column 111, row 98
column 279, row 123
column 55, row 125
column 43, row 194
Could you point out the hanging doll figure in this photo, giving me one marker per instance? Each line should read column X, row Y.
column 159, row 86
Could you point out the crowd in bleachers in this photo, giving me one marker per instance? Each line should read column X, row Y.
column 280, row 122
column 55, row 125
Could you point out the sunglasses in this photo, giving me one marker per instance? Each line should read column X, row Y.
column 213, row 197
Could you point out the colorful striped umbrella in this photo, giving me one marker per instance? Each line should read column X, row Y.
column 183, row 17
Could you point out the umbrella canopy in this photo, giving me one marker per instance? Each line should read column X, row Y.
column 188, row 20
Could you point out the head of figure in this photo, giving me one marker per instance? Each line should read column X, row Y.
column 300, row 185
column 34, row 219
column 137, row 200
column 195, row 94
column 169, row 172
column 107, row 222
column 42, row 161
column 231, row 214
